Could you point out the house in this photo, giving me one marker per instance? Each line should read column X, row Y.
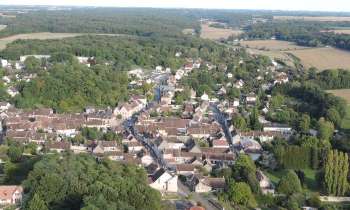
column 11, row 195
column 134, row 146
column 185, row 169
column 12, row 91
column 281, row 78
column 205, row 97
column 264, row 183
column 207, row 184
column 59, row 146
column 251, row 98
column 252, row 148
column 220, row 143
column 163, row 181
column 39, row 57
column 276, row 127
column 263, row 136
column 105, row 146
column 239, row 84
column 4, row 63
column 4, row 106
column 235, row 102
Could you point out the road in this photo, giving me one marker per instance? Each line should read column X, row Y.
column 196, row 197
column 221, row 119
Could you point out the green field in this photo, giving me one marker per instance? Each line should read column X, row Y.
column 310, row 178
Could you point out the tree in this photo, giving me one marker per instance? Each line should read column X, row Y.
column 304, row 123
column 325, row 129
column 239, row 123
column 333, row 116
column 37, row 203
column 335, row 172
column 240, row 194
column 15, row 152
column 69, row 181
column 245, row 170
column 32, row 64
column 254, row 119
column 289, row 183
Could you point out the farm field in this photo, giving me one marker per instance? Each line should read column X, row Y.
column 44, row 35
column 271, row 45
column 339, row 31
column 273, row 54
column 310, row 18
column 323, row 58
column 217, row 33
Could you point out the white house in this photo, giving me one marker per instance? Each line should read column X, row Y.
column 11, row 195
column 205, row 97
column 163, row 181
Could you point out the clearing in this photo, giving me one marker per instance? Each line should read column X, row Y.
column 270, row 45
column 323, row 58
column 214, row 33
column 312, row 18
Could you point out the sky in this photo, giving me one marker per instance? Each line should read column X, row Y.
column 312, row 5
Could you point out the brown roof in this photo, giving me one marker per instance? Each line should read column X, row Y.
column 185, row 167
column 6, row 192
column 217, row 183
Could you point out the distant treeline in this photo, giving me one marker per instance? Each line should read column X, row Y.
column 332, row 79
column 305, row 33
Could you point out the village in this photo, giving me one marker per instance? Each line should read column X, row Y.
column 179, row 145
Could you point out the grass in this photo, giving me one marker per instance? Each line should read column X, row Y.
column 345, row 124
column 310, row 178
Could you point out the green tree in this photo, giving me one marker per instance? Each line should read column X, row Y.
column 304, row 123
column 254, row 119
column 32, row 64
column 37, row 203
column 240, row 194
column 239, row 123
column 289, row 183
column 333, row 116
column 15, row 152
column 335, row 172
column 325, row 129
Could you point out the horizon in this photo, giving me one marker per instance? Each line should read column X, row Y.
column 339, row 6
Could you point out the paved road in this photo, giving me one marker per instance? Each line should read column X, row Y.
column 196, row 197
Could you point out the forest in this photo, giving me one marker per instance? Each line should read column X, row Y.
column 72, row 182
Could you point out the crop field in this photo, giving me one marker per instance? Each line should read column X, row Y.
column 271, row 45
column 214, row 33
column 311, row 18
column 323, row 58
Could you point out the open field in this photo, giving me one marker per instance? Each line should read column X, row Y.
column 44, row 35
column 323, row 58
column 273, row 54
column 217, row 33
column 310, row 18
column 339, row 31
column 271, row 45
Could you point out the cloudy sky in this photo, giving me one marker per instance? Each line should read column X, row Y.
column 315, row 5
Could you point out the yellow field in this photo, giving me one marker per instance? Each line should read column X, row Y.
column 217, row 33
column 323, row 58
column 270, row 45
column 43, row 35
column 339, row 31
column 309, row 18
column 343, row 93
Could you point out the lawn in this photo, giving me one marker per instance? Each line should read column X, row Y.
column 310, row 178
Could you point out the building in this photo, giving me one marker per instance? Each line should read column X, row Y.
column 163, row 181
column 11, row 195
